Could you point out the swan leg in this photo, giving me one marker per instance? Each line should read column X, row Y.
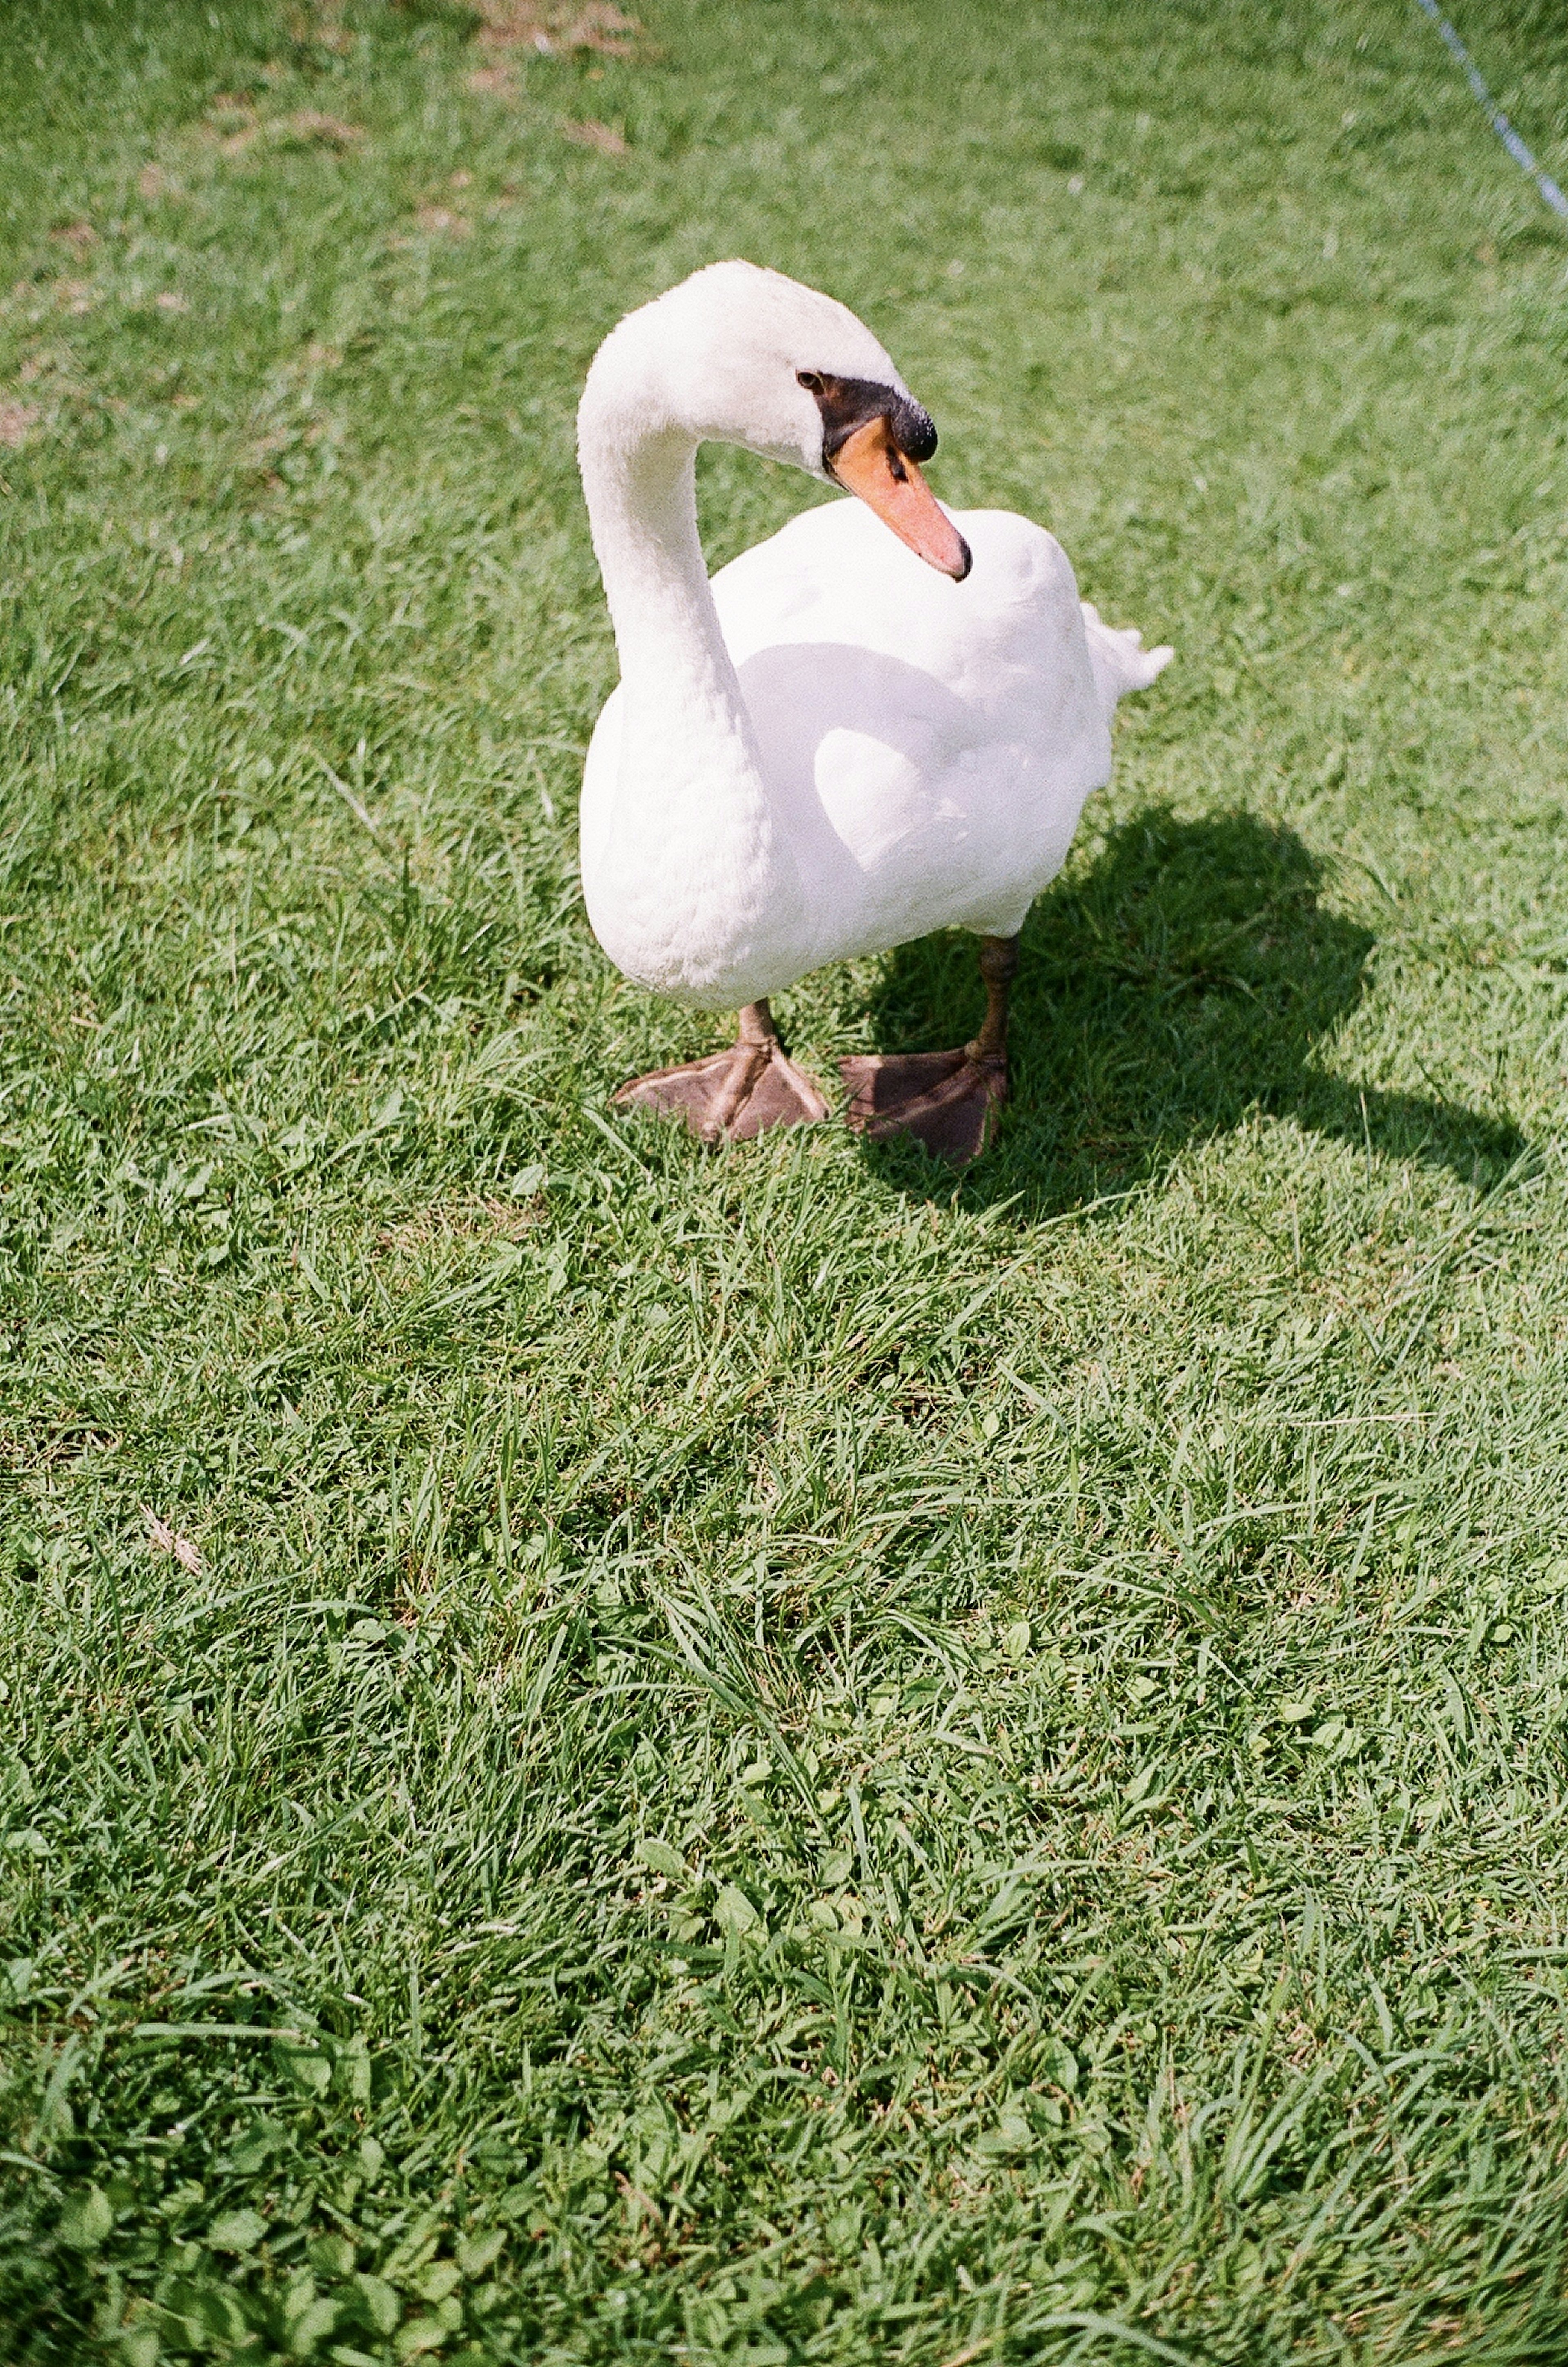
column 948, row 1100
column 732, row 1095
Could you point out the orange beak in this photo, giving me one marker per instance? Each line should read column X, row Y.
column 869, row 463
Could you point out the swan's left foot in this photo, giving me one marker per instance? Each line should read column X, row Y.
column 734, row 1096
column 948, row 1100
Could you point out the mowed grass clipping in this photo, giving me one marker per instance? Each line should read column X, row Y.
column 614, row 1753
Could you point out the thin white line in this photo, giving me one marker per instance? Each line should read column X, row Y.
column 1494, row 115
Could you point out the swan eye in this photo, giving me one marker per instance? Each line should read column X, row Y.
column 847, row 403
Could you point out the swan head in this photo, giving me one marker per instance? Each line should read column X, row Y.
column 737, row 354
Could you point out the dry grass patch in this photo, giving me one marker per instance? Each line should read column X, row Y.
column 169, row 1540
column 233, row 123
column 17, row 421
column 603, row 137
column 525, row 24
column 322, row 28
column 459, row 1221
column 310, row 128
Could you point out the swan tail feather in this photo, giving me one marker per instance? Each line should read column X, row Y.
column 1120, row 661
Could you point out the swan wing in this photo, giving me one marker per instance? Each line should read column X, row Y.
column 928, row 745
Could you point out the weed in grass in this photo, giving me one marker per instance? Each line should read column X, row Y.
column 615, row 1754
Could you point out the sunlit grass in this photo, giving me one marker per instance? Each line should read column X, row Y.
column 615, row 1753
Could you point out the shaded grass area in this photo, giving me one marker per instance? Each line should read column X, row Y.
column 769, row 1757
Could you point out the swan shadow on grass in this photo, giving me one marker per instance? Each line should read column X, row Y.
column 1184, row 978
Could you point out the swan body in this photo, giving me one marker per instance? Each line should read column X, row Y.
column 926, row 748
column 835, row 746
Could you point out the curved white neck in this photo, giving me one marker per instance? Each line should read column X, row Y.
column 693, row 840
column 642, row 507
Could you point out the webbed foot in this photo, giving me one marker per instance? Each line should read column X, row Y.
column 736, row 1094
column 947, row 1101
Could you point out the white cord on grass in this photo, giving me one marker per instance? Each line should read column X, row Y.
column 1494, row 115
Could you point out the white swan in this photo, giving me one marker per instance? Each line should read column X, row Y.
column 833, row 747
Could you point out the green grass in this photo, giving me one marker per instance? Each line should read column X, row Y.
column 769, row 1758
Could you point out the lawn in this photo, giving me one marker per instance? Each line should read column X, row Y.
column 611, row 1752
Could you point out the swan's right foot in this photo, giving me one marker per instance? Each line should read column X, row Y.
column 733, row 1095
